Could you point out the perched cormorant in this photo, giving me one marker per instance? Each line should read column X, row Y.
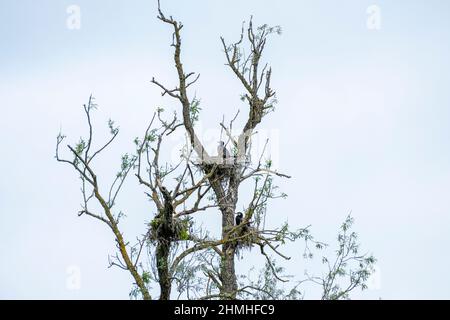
column 222, row 151
column 239, row 217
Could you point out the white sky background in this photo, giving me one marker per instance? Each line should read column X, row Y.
column 363, row 125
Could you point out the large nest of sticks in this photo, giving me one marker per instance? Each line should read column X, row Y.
column 224, row 165
column 178, row 231
column 247, row 236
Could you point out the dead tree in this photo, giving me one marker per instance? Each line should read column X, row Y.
column 225, row 182
column 199, row 182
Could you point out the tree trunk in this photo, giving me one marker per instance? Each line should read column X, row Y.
column 227, row 270
column 227, row 267
column 162, row 258
column 165, row 238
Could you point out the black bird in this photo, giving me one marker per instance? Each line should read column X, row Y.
column 222, row 151
column 239, row 217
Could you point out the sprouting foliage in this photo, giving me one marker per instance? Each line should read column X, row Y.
column 346, row 271
column 266, row 29
column 195, row 110
column 79, row 149
column 270, row 105
column 267, row 286
column 112, row 128
column 80, row 146
column 349, row 269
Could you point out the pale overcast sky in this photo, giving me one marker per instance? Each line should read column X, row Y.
column 362, row 125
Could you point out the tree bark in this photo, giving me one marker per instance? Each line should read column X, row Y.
column 229, row 286
column 227, row 270
column 165, row 238
column 162, row 257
